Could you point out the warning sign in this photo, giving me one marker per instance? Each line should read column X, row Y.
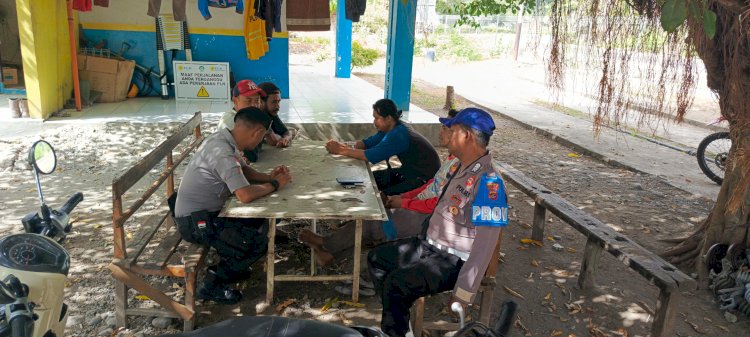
column 201, row 80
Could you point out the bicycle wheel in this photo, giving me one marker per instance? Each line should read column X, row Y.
column 713, row 152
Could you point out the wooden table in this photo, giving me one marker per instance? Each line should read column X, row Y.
column 313, row 194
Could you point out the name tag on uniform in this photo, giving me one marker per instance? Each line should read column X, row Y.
column 490, row 207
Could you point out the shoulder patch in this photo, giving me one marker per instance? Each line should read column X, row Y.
column 476, row 168
column 490, row 206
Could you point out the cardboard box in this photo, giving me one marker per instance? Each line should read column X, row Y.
column 10, row 76
column 109, row 76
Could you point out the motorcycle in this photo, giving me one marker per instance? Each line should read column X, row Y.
column 34, row 266
column 713, row 152
column 53, row 223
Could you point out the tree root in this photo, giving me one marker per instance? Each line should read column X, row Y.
column 686, row 257
column 684, row 247
column 675, row 240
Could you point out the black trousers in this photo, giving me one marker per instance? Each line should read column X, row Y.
column 394, row 182
column 404, row 271
column 238, row 242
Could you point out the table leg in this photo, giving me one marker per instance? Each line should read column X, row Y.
column 312, row 251
column 357, row 256
column 270, row 259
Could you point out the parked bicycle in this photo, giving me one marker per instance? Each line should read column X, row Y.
column 713, row 153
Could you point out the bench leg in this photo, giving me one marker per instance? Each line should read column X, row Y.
column 417, row 317
column 190, row 280
column 485, row 309
column 270, row 259
column 540, row 220
column 665, row 314
column 121, row 304
column 590, row 261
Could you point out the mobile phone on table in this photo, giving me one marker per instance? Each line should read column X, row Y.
column 350, row 181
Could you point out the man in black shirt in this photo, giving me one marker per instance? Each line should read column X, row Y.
column 278, row 135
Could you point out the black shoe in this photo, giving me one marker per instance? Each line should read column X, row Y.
column 219, row 293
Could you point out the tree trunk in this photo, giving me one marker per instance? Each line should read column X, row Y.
column 727, row 60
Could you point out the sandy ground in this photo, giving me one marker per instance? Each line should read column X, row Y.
column 641, row 207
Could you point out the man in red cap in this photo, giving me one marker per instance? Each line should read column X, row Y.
column 244, row 94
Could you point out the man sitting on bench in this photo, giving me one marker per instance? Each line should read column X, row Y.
column 215, row 172
column 462, row 232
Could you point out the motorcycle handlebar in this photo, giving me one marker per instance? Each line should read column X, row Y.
column 71, row 203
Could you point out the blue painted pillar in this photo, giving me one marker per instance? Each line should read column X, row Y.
column 400, row 55
column 343, row 42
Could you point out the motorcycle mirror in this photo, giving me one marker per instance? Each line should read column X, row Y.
column 42, row 157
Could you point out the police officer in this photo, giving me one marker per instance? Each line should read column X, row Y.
column 454, row 252
column 215, row 172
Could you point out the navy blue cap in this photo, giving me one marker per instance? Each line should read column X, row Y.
column 474, row 118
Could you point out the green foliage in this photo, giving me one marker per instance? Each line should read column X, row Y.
column 673, row 14
column 455, row 46
column 332, row 6
column 363, row 57
column 468, row 10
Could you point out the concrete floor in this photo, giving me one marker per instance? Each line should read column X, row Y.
column 324, row 106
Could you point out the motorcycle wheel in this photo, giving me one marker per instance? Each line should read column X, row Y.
column 713, row 152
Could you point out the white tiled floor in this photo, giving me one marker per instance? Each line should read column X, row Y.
column 315, row 96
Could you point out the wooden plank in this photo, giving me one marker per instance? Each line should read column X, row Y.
column 166, row 248
column 118, row 236
column 190, row 286
column 318, row 278
column 168, row 271
column 144, row 235
column 154, row 186
column 194, row 257
column 270, row 260
column 134, row 281
column 591, row 255
column 151, row 312
column 417, row 319
column 665, row 314
column 357, row 258
column 121, row 304
column 125, row 181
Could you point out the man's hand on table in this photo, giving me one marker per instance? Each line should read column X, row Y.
column 335, row 147
column 393, row 201
column 284, row 142
column 282, row 175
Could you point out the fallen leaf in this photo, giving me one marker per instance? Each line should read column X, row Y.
column 97, row 226
column 520, row 325
column 555, row 333
column 129, row 236
column 695, row 327
column 142, row 297
column 353, row 304
column 573, row 155
column 328, row 304
column 550, row 238
column 549, row 295
column 513, row 292
column 535, row 263
column 622, row 332
column 571, row 250
column 280, row 308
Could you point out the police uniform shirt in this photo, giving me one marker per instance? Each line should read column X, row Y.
column 211, row 177
column 468, row 218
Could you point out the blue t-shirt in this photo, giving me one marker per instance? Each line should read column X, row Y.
column 382, row 145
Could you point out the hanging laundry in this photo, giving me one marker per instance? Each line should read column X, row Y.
column 266, row 10
column 101, row 3
column 204, row 4
column 178, row 9
column 277, row 15
column 308, row 15
column 354, row 9
column 254, row 31
column 82, row 5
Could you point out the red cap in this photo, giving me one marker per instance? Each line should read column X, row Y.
column 247, row 88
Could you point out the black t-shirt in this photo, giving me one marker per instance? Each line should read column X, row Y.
column 277, row 127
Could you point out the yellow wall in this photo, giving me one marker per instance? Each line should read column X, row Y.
column 45, row 48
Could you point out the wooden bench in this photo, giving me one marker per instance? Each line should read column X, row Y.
column 156, row 248
column 653, row 268
column 486, row 293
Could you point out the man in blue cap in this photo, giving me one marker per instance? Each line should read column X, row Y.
column 459, row 238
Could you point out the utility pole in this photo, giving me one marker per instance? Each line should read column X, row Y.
column 519, row 23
